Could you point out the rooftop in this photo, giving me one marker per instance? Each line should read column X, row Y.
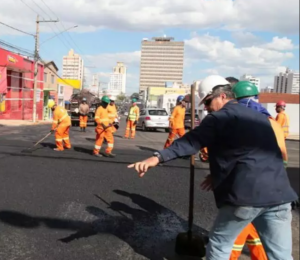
column 275, row 97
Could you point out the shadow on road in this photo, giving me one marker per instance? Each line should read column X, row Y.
column 293, row 174
column 83, row 150
column 150, row 230
column 143, row 148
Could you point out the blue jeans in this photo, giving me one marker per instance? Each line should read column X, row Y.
column 273, row 225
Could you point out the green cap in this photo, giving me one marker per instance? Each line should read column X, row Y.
column 134, row 100
column 105, row 99
column 244, row 89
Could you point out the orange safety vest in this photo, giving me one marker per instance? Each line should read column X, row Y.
column 134, row 113
column 101, row 117
column 60, row 118
column 177, row 117
column 112, row 113
column 284, row 121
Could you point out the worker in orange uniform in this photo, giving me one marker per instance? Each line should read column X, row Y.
column 84, row 110
column 103, row 129
column 177, row 121
column 282, row 118
column 132, row 119
column 61, row 126
column 112, row 114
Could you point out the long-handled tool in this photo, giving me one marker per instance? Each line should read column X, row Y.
column 189, row 244
column 29, row 150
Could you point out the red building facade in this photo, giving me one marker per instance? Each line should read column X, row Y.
column 16, row 87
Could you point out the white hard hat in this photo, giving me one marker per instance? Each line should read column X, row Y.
column 206, row 86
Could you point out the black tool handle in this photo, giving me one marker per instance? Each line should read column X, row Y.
column 192, row 166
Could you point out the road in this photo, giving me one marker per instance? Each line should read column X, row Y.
column 71, row 205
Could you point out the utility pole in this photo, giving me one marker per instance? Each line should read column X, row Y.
column 36, row 61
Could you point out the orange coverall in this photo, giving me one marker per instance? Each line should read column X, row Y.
column 176, row 125
column 61, row 121
column 249, row 234
column 112, row 115
column 101, row 117
column 284, row 121
column 133, row 116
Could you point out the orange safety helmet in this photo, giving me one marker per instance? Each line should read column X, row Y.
column 281, row 103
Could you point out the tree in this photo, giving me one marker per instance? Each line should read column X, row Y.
column 121, row 97
column 135, row 95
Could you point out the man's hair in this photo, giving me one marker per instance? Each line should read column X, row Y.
column 232, row 80
column 226, row 89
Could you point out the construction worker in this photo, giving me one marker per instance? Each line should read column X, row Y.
column 132, row 119
column 282, row 118
column 176, row 121
column 103, row 129
column 112, row 114
column 248, row 176
column 61, row 126
column 84, row 110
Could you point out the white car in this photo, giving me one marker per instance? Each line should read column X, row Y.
column 153, row 118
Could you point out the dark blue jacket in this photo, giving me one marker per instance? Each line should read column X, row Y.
column 245, row 161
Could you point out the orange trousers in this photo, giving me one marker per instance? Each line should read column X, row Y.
column 83, row 121
column 249, row 236
column 100, row 136
column 130, row 126
column 172, row 135
column 62, row 137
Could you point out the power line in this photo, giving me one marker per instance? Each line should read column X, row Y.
column 17, row 29
column 16, row 48
column 30, row 7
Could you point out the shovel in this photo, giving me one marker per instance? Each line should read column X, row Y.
column 189, row 244
column 29, row 150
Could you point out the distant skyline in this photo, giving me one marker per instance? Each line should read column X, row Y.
column 243, row 38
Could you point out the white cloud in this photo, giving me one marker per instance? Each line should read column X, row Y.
column 246, row 39
column 225, row 58
column 280, row 44
column 144, row 15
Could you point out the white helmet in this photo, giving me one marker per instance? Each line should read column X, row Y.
column 206, row 86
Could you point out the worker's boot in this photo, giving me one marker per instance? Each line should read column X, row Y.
column 109, row 155
column 98, row 155
column 57, row 150
column 83, row 129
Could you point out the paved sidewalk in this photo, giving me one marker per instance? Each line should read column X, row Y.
column 22, row 122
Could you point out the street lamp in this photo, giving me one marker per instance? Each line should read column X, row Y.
column 75, row 26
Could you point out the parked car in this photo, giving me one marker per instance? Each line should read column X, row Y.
column 188, row 121
column 153, row 118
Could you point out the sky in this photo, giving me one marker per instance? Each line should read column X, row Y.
column 225, row 37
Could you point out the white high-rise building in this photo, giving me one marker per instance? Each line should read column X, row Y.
column 73, row 67
column 161, row 62
column 117, row 83
column 254, row 80
column 287, row 82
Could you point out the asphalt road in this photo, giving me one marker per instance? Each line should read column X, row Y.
column 71, row 205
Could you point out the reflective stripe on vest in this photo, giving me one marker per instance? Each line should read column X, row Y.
column 132, row 114
column 286, row 126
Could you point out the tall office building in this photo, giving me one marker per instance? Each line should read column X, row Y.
column 161, row 62
column 73, row 67
column 287, row 82
column 254, row 80
column 117, row 83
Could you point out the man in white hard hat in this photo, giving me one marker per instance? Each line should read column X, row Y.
column 248, row 176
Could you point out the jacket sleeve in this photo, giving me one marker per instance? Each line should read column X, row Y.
column 55, row 120
column 171, row 119
column 280, row 119
column 137, row 113
column 97, row 116
column 193, row 141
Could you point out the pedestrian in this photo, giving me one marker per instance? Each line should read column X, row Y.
column 282, row 117
column 248, row 176
column 112, row 114
column 61, row 126
column 84, row 110
column 132, row 119
column 176, row 126
column 103, row 129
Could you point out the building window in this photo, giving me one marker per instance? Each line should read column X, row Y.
column 52, row 79
column 61, row 90
column 45, row 77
